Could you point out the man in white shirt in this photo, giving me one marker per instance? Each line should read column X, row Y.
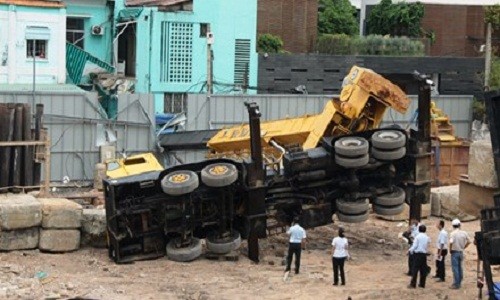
column 419, row 251
column 442, row 250
column 459, row 240
column 297, row 237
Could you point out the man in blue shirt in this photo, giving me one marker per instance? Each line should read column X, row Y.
column 419, row 251
column 297, row 237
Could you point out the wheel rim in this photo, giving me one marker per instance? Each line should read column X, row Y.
column 179, row 178
column 390, row 136
column 218, row 170
column 351, row 142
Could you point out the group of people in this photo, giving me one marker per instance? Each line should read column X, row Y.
column 419, row 243
column 339, row 251
column 419, row 249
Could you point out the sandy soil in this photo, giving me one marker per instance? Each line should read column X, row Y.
column 375, row 272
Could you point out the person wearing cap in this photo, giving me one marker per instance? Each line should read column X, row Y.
column 459, row 240
column 339, row 255
column 419, row 251
column 442, row 250
column 297, row 240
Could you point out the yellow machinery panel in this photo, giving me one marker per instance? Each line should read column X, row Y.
column 132, row 165
column 363, row 101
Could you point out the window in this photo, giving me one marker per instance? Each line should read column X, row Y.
column 40, row 47
column 75, row 31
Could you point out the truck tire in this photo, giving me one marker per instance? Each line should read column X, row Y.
column 388, row 139
column 350, row 162
column 179, row 183
column 184, row 254
column 353, row 207
column 219, row 174
column 396, row 197
column 388, row 210
column 388, row 155
column 223, row 246
column 351, row 146
column 353, row 218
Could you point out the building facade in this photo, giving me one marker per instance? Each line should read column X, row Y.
column 32, row 42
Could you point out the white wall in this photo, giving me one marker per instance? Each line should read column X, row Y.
column 18, row 68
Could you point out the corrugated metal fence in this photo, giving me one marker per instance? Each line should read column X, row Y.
column 224, row 110
column 76, row 123
column 221, row 110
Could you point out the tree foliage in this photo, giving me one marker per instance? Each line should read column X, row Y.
column 396, row 19
column 268, row 43
column 337, row 17
column 492, row 15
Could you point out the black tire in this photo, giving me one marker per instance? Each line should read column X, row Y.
column 351, row 146
column 353, row 218
column 388, row 139
column 388, row 210
column 184, row 254
column 388, row 155
column 223, row 246
column 349, row 163
column 219, row 174
column 179, row 183
column 396, row 197
column 353, row 207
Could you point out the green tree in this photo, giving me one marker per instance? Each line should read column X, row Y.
column 396, row 19
column 268, row 43
column 337, row 17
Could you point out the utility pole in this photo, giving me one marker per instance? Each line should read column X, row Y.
column 487, row 60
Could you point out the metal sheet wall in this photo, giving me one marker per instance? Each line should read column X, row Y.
column 72, row 120
column 221, row 110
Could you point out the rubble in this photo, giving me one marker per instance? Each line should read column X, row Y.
column 94, row 228
column 60, row 213
column 19, row 239
column 19, row 211
column 59, row 240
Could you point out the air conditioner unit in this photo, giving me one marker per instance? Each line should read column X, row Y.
column 97, row 30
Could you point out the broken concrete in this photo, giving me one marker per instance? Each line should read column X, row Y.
column 59, row 213
column 59, row 240
column 481, row 165
column 20, row 239
column 18, row 211
column 445, row 203
column 94, row 228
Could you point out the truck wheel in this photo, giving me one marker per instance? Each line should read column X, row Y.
column 350, row 162
column 353, row 218
column 223, row 246
column 184, row 254
column 388, row 155
column 388, row 210
column 388, row 139
column 351, row 146
column 219, row 174
column 179, row 183
column 396, row 197
column 353, row 207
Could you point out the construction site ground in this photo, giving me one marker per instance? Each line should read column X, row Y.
column 376, row 271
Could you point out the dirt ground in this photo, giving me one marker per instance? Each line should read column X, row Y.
column 376, row 271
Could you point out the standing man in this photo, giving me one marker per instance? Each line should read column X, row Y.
column 459, row 240
column 442, row 250
column 410, row 235
column 297, row 239
column 419, row 251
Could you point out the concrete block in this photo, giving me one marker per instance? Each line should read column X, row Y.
column 445, row 199
column 481, row 165
column 18, row 211
column 94, row 228
column 59, row 213
column 473, row 198
column 59, row 240
column 405, row 214
column 19, row 239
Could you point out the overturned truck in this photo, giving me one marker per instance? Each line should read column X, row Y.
column 260, row 176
